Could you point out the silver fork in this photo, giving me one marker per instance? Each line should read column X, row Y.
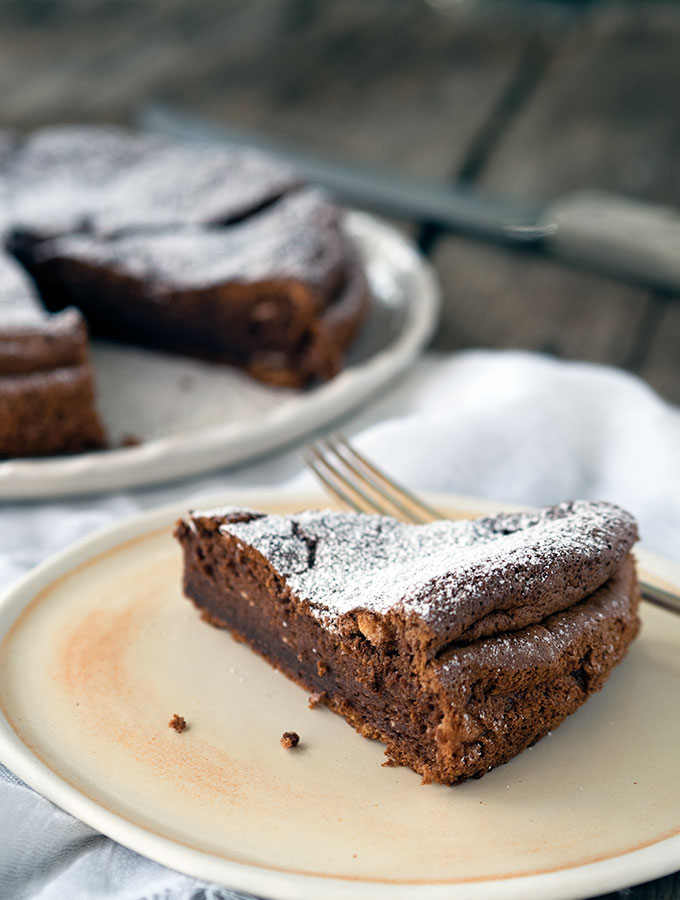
column 360, row 485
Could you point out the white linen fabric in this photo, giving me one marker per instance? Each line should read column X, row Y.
column 508, row 426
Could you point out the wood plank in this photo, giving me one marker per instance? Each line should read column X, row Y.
column 607, row 114
column 175, row 51
column 103, row 65
column 508, row 299
column 393, row 84
column 49, row 67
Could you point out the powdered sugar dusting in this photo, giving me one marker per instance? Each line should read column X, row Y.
column 19, row 305
column 449, row 574
column 22, row 316
column 106, row 179
column 295, row 239
column 174, row 216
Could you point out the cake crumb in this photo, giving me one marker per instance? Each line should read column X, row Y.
column 290, row 739
column 321, row 667
column 178, row 723
column 316, row 698
column 130, row 440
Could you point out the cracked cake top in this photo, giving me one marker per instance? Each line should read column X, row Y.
column 453, row 580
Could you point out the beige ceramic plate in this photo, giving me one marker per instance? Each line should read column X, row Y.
column 100, row 649
column 192, row 417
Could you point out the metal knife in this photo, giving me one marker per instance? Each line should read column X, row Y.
column 622, row 237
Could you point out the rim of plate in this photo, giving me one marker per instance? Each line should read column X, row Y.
column 227, row 443
column 656, row 860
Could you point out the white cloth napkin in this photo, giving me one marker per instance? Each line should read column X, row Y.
column 513, row 427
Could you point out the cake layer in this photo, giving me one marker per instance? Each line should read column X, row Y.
column 49, row 412
column 502, row 694
column 42, row 345
column 47, row 396
column 353, row 633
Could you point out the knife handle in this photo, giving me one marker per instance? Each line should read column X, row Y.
column 629, row 237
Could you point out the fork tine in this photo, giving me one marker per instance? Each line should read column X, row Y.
column 396, row 494
column 315, row 461
column 349, row 485
column 360, row 485
column 338, row 483
column 371, row 489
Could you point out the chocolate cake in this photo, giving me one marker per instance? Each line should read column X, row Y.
column 279, row 294
column 178, row 723
column 217, row 253
column 457, row 644
column 47, row 396
column 290, row 740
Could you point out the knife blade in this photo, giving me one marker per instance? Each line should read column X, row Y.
column 619, row 236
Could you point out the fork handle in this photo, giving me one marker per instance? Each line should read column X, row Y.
column 660, row 597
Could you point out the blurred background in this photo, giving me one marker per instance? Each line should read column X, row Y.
column 525, row 100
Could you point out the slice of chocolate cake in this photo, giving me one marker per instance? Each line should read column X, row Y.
column 457, row 644
column 47, row 398
column 280, row 294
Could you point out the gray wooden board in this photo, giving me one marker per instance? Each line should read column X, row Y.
column 500, row 298
column 607, row 114
column 393, row 84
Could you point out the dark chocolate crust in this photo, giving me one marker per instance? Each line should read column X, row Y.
column 216, row 253
column 449, row 713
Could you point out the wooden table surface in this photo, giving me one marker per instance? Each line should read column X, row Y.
column 525, row 100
